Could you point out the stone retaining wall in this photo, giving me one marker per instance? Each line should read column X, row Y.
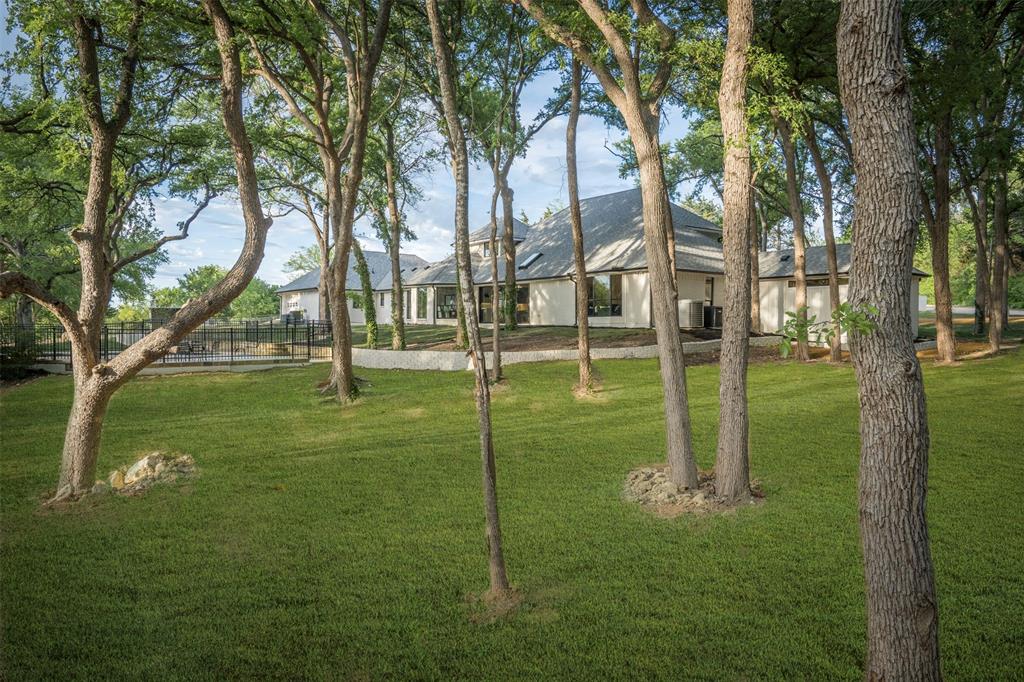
column 453, row 361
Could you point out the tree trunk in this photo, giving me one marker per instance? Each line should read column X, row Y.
column 825, row 182
column 84, row 429
column 461, row 337
column 323, row 297
column 938, row 232
column 1000, row 264
column 495, row 289
column 586, row 383
column 902, row 613
column 499, row 584
column 23, row 312
column 979, row 210
column 643, row 132
column 796, row 214
column 755, row 269
column 397, row 315
column 509, row 247
column 369, row 309
column 732, row 461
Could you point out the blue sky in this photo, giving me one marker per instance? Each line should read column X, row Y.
column 538, row 180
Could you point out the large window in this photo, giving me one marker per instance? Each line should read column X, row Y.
column 522, row 303
column 605, row 298
column 709, row 290
column 408, row 304
column 421, row 303
column 445, row 307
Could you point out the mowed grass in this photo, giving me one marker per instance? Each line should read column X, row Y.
column 322, row 542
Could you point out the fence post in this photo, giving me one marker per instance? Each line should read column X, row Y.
column 309, row 342
column 231, row 343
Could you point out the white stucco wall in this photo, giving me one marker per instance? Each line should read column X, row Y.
column 553, row 302
column 772, row 298
column 306, row 301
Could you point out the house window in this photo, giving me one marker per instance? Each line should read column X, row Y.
column 522, row 304
column 357, row 300
column 822, row 282
column 408, row 304
column 709, row 290
column 381, row 300
column 445, row 307
column 605, row 298
column 487, row 249
column 293, row 303
column 421, row 303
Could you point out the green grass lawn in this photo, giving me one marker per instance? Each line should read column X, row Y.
column 328, row 543
column 963, row 327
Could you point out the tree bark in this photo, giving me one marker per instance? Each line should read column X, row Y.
column 979, row 210
column 938, row 233
column 23, row 312
column 732, row 461
column 825, row 183
column 397, row 302
column 499, row 585
column 369, row 309
column 509, row 248
column 902, row 612
column 586, row 382
column 656, row 215
column 495, row 289
column 1000, row 263
column 796, row 214
column 755, row 269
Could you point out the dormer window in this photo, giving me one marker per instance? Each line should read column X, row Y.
column 530, row 260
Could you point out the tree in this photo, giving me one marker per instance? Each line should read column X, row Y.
column 732, row 463
column 301, row 60
column 586, row 383
column 633, row 56
column 447, row 79
column 306, row 259
column 127, row 36
column 366, row 295
column 901, row 602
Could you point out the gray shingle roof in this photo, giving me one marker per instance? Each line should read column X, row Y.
column 777, row 264
column 612, row 240
column 519, row 231
column 379, row 264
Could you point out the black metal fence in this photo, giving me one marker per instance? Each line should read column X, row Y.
column 235, row 342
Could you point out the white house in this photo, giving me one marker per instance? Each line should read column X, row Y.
column 302, row 294
column 617, row 280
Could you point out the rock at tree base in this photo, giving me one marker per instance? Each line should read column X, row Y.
column 651, row 488
column 156, row 467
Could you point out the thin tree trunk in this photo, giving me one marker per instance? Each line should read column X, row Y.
column 902, row 612
column 732, row 461
column 998, row 290
column 509, row 248
column 796, row 215
column 369, row 310
column 825, row 182
column 499, row 585
column 979, row 213
column 395, row 234
column 656, row 215
column 323, row 296
column 461, row 337
column 495, row 291
column 586, row 383
column 755, row 269
column 938, row 232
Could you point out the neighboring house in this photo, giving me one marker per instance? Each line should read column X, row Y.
column 618, row 282
column 302, row 295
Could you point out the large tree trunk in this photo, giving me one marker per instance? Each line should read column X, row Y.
column 499, row 585
column 586, row 383
column 825, row 183
column 369, row 309
column 643, row 132
column 23, row 312
column 508, row 245
column 84, row 429
column 938, row 232
column 796, row 214
column 902, row 627
column 397, row 318
column 1000, row 264
column 732, row 461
